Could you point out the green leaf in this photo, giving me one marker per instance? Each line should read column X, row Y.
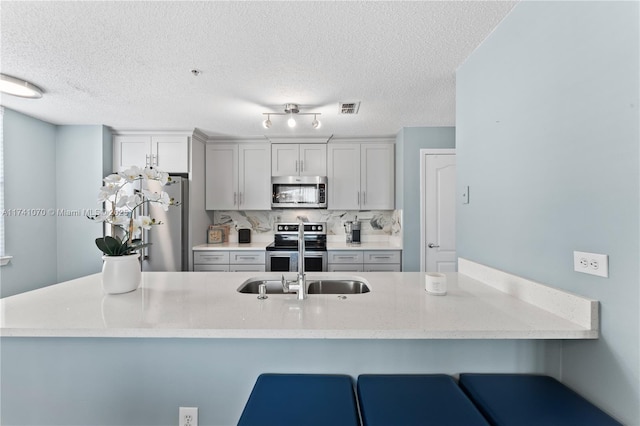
column 111, row 246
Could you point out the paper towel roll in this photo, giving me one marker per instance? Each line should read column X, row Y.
column 435, row 283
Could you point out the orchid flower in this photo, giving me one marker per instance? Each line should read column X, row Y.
column 121, row 207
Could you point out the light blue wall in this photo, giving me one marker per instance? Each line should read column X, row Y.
column 409, row 142
column 30, row 183
column 142, row 382
column 80, row 162
column 548, row 141
column 48, row 169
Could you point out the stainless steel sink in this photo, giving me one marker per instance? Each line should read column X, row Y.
column 251, row 286
column 337, row 287
column 314, row 286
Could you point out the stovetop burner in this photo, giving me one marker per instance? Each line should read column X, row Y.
column 286, row 237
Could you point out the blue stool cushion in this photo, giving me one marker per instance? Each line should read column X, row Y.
column 301, row 399
column 414, row 399
column 530, row 399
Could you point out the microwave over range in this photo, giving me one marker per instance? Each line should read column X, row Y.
column 300, row 192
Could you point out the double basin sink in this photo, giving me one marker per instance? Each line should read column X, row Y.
column 314, row 286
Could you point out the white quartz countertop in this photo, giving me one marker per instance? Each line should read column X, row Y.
column 373, row 245
column 207, row 305
column 232, row 246
column 331, row 245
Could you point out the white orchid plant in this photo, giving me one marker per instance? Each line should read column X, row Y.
column 121, row 204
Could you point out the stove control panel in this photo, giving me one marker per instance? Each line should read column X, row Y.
column 292, row 228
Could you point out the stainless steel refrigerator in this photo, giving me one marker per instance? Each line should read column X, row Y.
column 168, row 250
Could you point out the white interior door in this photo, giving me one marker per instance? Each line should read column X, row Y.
column 439, row 212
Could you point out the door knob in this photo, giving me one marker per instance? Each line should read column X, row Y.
column 431, row 245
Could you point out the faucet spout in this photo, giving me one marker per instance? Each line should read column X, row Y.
column 302, row 282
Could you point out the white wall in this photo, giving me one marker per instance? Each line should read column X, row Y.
column 548, row 142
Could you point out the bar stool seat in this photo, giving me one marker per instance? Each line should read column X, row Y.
column 415, row 399
column 301, row 399
column 530, row 399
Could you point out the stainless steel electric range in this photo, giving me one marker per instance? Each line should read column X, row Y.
column 282, row 254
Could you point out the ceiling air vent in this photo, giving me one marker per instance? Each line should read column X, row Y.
column 349, row 107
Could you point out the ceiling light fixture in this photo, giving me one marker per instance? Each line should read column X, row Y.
column 291, row 110
column 16, row 87
column 267, row 123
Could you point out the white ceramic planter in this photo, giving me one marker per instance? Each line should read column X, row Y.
column 120, row 274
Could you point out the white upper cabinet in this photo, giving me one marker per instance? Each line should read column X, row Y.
column 289, row 159
column 377, row 176
column 238, row 177
column 169, row 153
column 361, row 176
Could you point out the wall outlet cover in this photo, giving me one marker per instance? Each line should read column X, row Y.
column 188, row 416
column 591, row 263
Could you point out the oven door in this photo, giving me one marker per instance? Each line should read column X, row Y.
column 315, row 261
column 287, row 261
column 282, row 261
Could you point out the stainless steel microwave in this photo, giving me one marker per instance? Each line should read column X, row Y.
column 299, row 192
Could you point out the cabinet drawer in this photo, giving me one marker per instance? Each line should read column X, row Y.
column 211, row 268
column 211, row 257
column 247, row 268
column 345, row 256
column 246, row 257
column 345, row 267
column 382, row 267
column 377, row 256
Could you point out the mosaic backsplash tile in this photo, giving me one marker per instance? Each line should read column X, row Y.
column 383, row 223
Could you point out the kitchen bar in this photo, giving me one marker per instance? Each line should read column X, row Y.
column 207, row 305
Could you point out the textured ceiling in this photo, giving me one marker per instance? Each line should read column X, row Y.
column 127, row 64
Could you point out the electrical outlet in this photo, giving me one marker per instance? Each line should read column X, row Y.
column 188, row 416
column 591, row 263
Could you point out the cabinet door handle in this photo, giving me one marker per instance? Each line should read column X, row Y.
column 296, row 165
column 301, row 166
column 239, row 198
column 345, row 257
column 235, row 198
column 431, row 245
column 364, row 198
column 358, row 202
column 146, row 162
column 381, row 257
column 154, row 161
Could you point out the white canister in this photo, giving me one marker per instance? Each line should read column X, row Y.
column 435, row 283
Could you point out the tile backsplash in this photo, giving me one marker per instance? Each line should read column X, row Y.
column 374, row 224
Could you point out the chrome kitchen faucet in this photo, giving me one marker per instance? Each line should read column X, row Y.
column 301, row 286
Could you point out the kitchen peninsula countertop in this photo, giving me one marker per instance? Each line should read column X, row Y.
column 207, row 305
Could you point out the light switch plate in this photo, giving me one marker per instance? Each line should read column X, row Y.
column 591, row 263
column 465, row 195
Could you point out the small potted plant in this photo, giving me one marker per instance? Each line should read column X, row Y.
column 123, row 202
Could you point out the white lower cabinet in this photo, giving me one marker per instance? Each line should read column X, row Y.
column 229, row 261
column 364, row 260
column 241, row 261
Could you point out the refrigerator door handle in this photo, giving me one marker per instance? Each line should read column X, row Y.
column 145, row 234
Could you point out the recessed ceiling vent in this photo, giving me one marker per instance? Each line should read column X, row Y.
column 349, row 107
